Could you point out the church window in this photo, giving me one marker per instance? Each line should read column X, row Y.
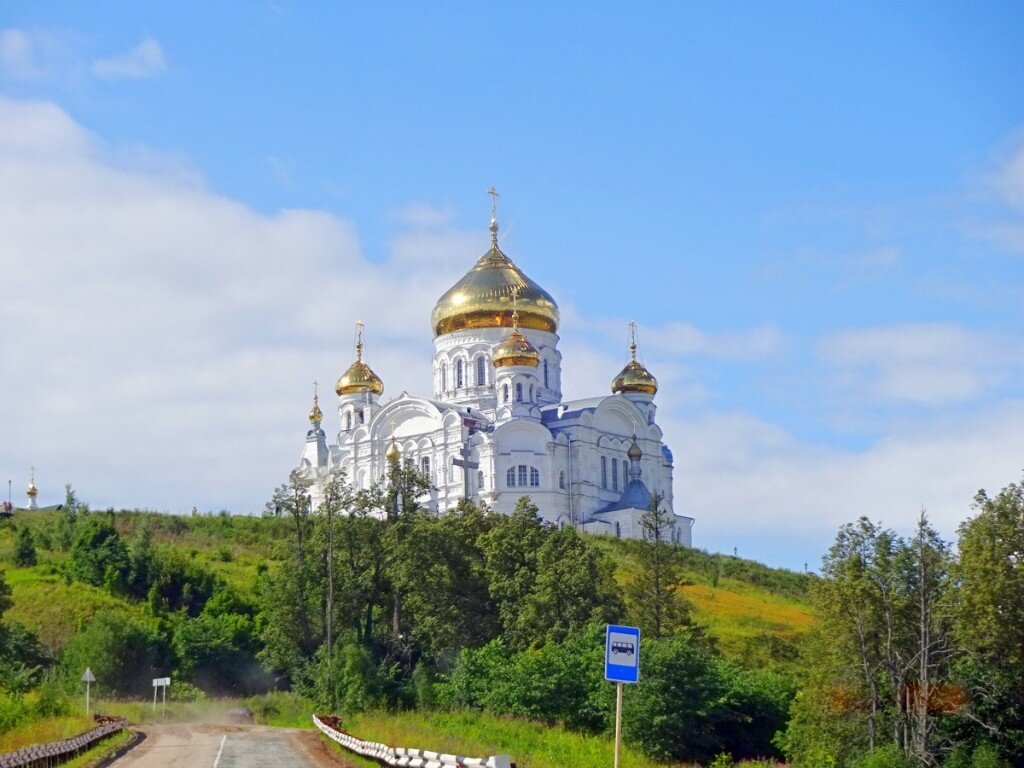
column 460, row 374
column 481, row 371
column 531, row 393
column 348, row 420
column 425, row 466
column 618, row 531
column 522, row 474
column 362, row 416
column 504, row 393
column 480, row 480
column 545, row 374
column 510, row 477
column 444, row 377
column 615, row 474
column 519, row 392
column 534, row 476
column 561, row 479
column 604, row 471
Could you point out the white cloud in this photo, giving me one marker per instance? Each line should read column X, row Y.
column 29, row 55
column 144, row 60
column 159, row 341
column 922, row 363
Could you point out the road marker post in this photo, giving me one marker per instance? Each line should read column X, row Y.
column 621, row 666
column 88, row 678
column 161, row 682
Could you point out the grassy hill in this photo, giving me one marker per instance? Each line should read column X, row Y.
column 755, row 613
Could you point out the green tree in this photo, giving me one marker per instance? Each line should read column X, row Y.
column 989, row 622
column 655, row 602
column 98, row 556
column 124, row 654
column 25, row 548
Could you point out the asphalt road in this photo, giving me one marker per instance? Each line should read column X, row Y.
column 201, row 745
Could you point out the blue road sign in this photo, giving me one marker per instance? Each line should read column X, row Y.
column 622, row 654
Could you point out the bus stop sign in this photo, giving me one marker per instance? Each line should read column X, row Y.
column 622, row 654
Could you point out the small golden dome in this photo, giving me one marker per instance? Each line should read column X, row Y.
column 634, row 377
column 515, row 350
column 32, row 491
column 393, row 452
column 359, row 377
column 316, row 415
column 483, row 297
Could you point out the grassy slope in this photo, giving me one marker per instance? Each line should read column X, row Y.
column 756, row 613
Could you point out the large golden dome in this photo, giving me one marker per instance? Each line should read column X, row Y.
column 359, row 377
column 515, row 350
column 483, row 297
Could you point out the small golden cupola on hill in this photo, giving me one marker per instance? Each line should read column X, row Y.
column 634, row 378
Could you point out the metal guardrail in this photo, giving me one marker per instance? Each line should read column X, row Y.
column 402, row 757
column 57, row 752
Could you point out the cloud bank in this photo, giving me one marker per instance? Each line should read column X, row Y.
column 159, row 342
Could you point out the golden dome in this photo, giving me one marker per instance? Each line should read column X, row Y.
column 634, row 377
column 359, row 377
column 515, row 350
column 32, row 490
column 483, row 297
column 393, row 453
column 315, row 414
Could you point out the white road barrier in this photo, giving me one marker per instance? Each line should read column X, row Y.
column 408, row 758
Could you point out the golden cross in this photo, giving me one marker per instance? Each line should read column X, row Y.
column 359, row 339
column 494, row 202
column 632, row 338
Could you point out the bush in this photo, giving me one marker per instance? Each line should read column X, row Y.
column 888, row 756
column 124, row 654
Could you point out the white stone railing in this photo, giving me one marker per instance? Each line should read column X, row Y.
column 408, row 758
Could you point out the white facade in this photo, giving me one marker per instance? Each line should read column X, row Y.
column 569, row 457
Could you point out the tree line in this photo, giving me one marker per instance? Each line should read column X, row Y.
column 918, row 653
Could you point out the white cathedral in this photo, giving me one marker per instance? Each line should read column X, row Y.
column 496, row 428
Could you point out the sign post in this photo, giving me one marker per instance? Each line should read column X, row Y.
column 161, row 682
column 621, row 666
column 88, row 678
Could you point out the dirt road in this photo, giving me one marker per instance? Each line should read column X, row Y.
column 198, row 745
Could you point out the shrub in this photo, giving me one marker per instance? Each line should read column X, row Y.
column 888, row 756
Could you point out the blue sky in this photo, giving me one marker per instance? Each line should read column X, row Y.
column 815, row 212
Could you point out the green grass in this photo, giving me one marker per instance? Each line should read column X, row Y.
column 474, row 734
column 101, row 751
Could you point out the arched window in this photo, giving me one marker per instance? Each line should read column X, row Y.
column 561, row 479
column 604, row 472
column 425, row 466
column 522, row 474
column 481, row 371
column 546, row 374
column 460, row 373
column 510, row 477
column 362, row 416
column 348, row 420
column 519, row 392
column 444, row 377
column 534, row 477
column 504, row 393
column 615, row 474
column 480, row 480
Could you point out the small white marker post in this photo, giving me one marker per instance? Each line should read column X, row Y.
column 161, row 682
column 88, row 678
column 621, row 665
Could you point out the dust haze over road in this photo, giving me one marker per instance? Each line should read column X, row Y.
column 207, row 745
